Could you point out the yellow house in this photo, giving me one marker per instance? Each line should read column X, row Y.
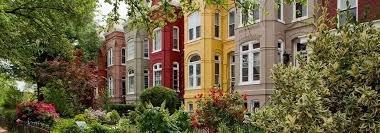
column 209, row 51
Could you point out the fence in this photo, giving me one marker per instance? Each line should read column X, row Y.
column 237, row 129
column 28, row 127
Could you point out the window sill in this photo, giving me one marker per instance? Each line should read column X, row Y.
column 130, row 93
column 194, row 40
column 250, row 83
column 176, row 50
column 218, row 38
column 190, row 89
column 299, row 19
column 156, row 51
column 146, row 58
column 281, row 21
column 231, row 38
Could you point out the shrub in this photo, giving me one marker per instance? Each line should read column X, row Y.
column 335, row 90
column 36, row 112
column 157, row 95
column 125, row 126
column 66, row 126
column 112, row 117
column 67, row 104
column 80, row 117
column 182, row 120
column 122, row 109
column 218, row 108
column 10, row 118
column 95, row 115
column 12, row 96
column 155, row 119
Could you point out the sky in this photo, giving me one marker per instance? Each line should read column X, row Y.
column 104, row 8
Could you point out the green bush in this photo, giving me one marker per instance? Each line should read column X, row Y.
column 182, row 120
column 155, row 119
column 12, row 96
column 122, row 109
column 112, row 117
column 125, row 126
column 66, row 104
column 158, row 94
column 80, row 117
column 97, row 128
column 66, row 126
column 10, row 118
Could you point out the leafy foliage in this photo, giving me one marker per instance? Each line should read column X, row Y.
column 122, row 109
column 218, row 108
column 158, row 94
column 335, row 90
column 36, row 112
column 66, row 126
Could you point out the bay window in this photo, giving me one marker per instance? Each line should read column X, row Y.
column 131, row 82
column 146, row 47
column 110, row 57
column 195, row 72
column 300, row 10
column 131, row 49
column 175, row 76
column 251, row 16
column 348, row 10
column 231, row 23
column 175, row 38
column 110, row 87
column 157, row 34
column 157, row 72
column 194, row 26
column 217, row 25
column 250, row 63
column 217, row 71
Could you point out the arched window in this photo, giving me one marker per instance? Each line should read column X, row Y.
column 176, row 76
column 131, row 49
column 131, row 82
column 157, row 73
column 195, row 71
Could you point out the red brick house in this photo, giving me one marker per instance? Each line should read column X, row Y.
column 166, row 56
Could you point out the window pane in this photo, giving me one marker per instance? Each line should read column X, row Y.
column 198, row 31
column 347, row 16
column 244, row 18
column 231, row 30
column 245, row 68
column 256, row 66
column 216, row 31
column 123, row 55
column 198, row 74
column 279, row 10
column 146, row 48
column 344, row 4
column 256, row 14
column 300, row 10
column 231, row 23
column 245, row 48
column 191, row 34
column 175, row 38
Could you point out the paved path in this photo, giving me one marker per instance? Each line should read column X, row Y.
column 2, row 130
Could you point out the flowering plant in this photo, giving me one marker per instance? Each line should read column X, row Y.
column 218, row 108
column 36, row 112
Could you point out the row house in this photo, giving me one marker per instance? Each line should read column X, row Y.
column 166, row 53
column 251, row 44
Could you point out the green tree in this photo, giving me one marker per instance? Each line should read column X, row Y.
column 33, row 31
column 335, row 90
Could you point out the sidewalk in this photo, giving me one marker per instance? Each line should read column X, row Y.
column 2, row 130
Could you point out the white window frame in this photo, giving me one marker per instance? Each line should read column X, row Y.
column 131, row 50
column 146, row 81
column 109, row 57
column 229, row 23
column 232, row 68
column 252, row 105
column 111, row 87
column 192, row 106
column 303, row 40
column 280, row 51
column 175, row 43
column 250, row 52
column 339, row 8
column 131, row 89
column 281, row 8
column 194, row 64
column 157, row 31
column 219, row 62
column 195, row 16
column 123, row 61
column 157, row 67
column 146, row 48
column 176, row 68
column 295, row 11
column 250, row 17
column 217, row 25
